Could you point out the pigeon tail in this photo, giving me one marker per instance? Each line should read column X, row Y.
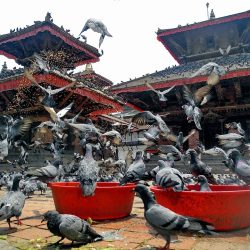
column 200, row 226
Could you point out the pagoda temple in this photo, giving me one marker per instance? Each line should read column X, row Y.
column 225, row 41
column 63, row 52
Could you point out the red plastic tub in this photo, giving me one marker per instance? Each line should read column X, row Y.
column 226, row 207
column 110, row 201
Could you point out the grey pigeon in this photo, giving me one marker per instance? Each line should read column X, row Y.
column 135, row 171
column 240, row 166
column 44, row 173
column 88, row 172
column 11, row 205
column 97, row 26
column 204, row 186
column 199, row 168
column 164, row 220
column 169, row 177
column 41, row 186
column 70, row 227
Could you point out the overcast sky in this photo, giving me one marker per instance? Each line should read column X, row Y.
column 133, row 50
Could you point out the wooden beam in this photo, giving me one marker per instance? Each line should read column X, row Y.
column 65, row 99
column 21, row 111
column 23, row 48
column 219, row 93
column 5, row 97
column 82, row 104
column 237, row 88
column 58, row 46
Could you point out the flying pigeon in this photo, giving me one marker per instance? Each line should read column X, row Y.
column 13, row 202
column 161, row 94
column 213, row 70
column 97, row 26
column 147, row 118
column 164, row 220
column 70, row 227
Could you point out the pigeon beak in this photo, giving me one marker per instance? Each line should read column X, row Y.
column 43, row 219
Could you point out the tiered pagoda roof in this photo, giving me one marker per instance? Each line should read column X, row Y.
column 231, row 95
column 202, row 40
column 44, row 36
column 61, row 51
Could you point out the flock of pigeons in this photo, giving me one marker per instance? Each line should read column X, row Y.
column 100, row 162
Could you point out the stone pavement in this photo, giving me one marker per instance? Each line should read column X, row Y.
column 127, row 233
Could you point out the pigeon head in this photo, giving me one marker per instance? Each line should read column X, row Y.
column 161, row 164
column 146, row 196
column 49, row 215
column 235, row 154
column 202, row 179
column 17, row 178
column 138, row 155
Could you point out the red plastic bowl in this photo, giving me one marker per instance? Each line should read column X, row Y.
column 110, row 201
column 226, row 207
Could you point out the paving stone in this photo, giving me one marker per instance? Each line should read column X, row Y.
column 32, row 233
column 4, row 245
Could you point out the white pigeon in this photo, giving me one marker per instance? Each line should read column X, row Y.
column 97, row 26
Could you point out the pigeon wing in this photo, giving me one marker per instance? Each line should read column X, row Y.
column 161, row 218
column 19, row 128
column 85, row 27
column 197, row 117
column 55, row 91
column 151, row 87
column 144, row 118
column 188, row 95
column 72, row 227
column 167, row 90
column 63, row 112
column 201, row 92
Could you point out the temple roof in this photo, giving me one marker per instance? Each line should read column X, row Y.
column 178, row 75
column 91, row 100
column 47, row 37
column 96, row 80
column 204, row 39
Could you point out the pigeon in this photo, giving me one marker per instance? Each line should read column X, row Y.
column 213, row 70
column 135, row 171
column 113, row 136
column 41, row 186
column 88, row 172
column 13, row 202
column 164, row 220
column 165, row 149
column 70, row 227
column 46, row 173
column 147, row 118
column 240, row 166
column 73, row 120
column 47, row 100
column 160, row 94
column 191, row 108
column 169, row 177
column 199, row 168
column 235, row 126
column 204, row 186
column 97, row 26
